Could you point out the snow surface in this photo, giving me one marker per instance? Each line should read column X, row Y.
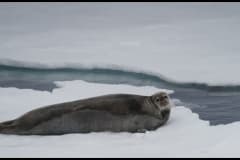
column 187, row 42
column 185, row 135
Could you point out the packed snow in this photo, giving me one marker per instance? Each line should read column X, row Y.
column 186, row 42
column 184, row 135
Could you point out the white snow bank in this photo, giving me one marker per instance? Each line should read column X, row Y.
column 186, row 42
column 185, row 135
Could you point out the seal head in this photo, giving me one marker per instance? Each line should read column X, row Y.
column 158, row 104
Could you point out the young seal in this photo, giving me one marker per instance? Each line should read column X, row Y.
column 114, row 113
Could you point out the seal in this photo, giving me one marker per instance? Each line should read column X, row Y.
column 107, row 113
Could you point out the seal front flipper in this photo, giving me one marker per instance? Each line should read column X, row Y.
column 141, row 130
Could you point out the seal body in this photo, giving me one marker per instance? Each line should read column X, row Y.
column 113, row 113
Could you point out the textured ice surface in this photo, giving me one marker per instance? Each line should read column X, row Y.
column 185, row 135
column 190, row 42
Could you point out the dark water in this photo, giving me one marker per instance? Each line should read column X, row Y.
column 218, row 104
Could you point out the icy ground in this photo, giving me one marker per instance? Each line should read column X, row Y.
column 189, row 42
column 185, row 135
column 193, row 42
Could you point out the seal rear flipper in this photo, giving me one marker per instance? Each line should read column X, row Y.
column 5, row 129
column 7, row 123
column 8, row 127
